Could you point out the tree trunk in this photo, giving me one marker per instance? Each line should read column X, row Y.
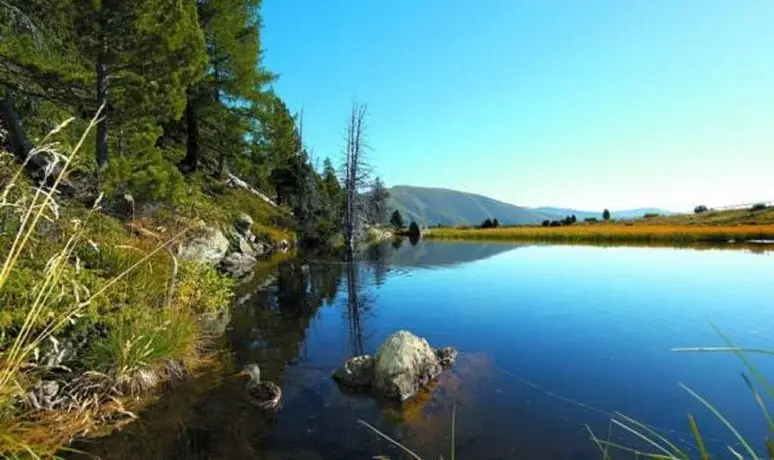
column 102, row 126
column 38, row 166
column 191, row 161
column 20, row 145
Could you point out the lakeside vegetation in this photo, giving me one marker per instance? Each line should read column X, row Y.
column 679, row 234
column 739, row 226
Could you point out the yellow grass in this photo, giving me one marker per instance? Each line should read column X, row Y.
column 613, row 233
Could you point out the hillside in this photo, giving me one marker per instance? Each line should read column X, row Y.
column 431, row 206
column 620, row 214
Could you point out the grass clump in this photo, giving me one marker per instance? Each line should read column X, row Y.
column 138, row 353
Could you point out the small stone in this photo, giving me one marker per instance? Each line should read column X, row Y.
column 357, row 373
column 447, row 356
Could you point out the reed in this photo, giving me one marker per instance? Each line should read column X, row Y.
column 656, row 446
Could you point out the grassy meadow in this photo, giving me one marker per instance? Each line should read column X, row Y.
column 668, row 230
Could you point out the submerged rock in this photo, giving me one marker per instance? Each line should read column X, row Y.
column 357, row 373
column 404, row 364
column 209, row 246
column 446, row 356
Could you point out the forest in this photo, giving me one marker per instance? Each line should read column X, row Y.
column 183, row 99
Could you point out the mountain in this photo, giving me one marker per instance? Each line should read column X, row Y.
column 430, row 206
column 621, row 214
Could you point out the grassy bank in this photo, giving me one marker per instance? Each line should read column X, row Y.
column 97, row 310
column 602, row 233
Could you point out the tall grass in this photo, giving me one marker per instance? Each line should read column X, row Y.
column 603, row 233
column 39, row 323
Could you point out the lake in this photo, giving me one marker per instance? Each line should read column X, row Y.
column 550, row 338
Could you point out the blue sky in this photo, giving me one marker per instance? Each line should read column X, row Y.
column 585, row 104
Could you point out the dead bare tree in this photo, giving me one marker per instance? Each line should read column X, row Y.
column 356, row 172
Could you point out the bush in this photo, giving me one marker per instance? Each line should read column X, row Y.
column 546, row 223
column 650, row 215
column 759, row 207
column 201, row 288
column 413, row 229
column 591, row 220
column 700, row 209
column 148, row 177
column 487, row 223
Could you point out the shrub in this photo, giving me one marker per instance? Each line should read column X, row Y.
column 650, row 215
column 495, row 223
column 397, row 220
column 591, row 220
column 413, row 229
column 759, row 207
column 146, row 177
column 546, row 223
column 201, row 288
column 700, row 209
column 487, row 223
column 606, row 214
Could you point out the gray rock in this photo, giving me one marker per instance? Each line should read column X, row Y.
column 446, row 356
column 238, row 264
column 357, row 373
column 209, row 246
column 244, row 224
column 404, row 364
column 245, row 247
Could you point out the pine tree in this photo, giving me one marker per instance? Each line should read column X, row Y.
column 225, row 106
column 397, row 220
column 606, row 214
column 377, row 202
column 133, row 57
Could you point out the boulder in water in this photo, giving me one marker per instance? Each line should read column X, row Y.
column 404, row 364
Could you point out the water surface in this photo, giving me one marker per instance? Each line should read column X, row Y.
column 551, row 338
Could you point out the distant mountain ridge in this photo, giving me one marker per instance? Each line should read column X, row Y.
column 431, row 206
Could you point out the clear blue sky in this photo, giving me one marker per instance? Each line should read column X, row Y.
column 585, row 104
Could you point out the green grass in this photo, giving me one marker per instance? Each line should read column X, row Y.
column 68, row 271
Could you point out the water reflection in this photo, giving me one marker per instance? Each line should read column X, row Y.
column 531, row 311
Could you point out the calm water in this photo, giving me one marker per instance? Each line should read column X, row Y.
column 551, row 338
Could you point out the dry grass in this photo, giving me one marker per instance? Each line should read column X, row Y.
column 27, row 428
column 602, row 233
